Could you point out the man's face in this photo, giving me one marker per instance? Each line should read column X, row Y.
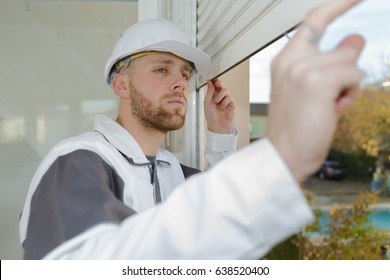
column 158, row 85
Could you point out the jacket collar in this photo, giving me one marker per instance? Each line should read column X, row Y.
column 123, row 141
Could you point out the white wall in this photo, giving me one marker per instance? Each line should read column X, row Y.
column 51, row 84
column 237, row 81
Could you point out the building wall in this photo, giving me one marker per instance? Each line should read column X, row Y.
column 237, row 81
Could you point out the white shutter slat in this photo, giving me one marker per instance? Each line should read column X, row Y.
column 232, row 30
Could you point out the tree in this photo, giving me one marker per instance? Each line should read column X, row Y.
column 363, row 125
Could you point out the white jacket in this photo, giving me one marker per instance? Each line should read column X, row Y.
column 91, row 198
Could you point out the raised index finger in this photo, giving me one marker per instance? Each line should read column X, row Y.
column 320, row 17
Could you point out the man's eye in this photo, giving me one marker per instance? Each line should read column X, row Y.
column 162, row 70
column 186, row 76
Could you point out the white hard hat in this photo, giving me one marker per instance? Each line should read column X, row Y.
column 156, row 35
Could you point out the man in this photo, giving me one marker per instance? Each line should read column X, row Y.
column 240, row 208
column 149, row 70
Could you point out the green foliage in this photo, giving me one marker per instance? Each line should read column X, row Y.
column 287, row 250
column 350, row 235
column 357, row 164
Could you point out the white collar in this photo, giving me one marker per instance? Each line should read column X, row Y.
column 123, row 141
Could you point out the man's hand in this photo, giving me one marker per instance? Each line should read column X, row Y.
column 219, row 107
column 310, row 89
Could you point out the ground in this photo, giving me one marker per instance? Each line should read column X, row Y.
column 328, row 192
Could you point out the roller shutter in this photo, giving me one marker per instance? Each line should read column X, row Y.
column 232, row 30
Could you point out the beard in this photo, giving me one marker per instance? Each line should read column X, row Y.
column 153, row 115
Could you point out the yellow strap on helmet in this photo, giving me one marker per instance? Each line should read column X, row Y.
column 140, row 54
column 125, row 61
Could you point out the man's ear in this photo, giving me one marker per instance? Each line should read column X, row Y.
column 119, row 86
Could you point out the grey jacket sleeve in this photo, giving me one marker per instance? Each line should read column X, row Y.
column 77, row 192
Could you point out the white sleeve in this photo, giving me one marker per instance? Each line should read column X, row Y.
column 220, row 146
column 239, row 209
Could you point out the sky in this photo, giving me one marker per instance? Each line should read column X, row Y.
column 370, row 19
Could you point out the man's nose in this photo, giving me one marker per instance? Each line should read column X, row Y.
column 180, row 83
